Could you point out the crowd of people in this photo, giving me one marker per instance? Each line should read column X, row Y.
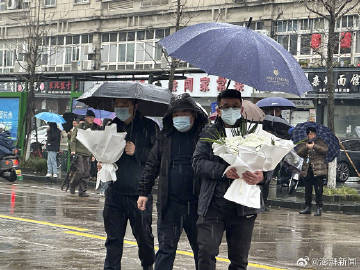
column 191, row 182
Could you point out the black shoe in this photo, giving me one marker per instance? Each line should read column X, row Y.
column 83, row 194
column 306, row 211
column 72, row 190
column 318, row 212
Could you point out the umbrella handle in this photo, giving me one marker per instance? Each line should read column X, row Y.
column 249, row 22
column 228, row 84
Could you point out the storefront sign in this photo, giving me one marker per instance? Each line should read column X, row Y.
column 303, row 103
column 345, row 82
column 203, row 85
column 51, row 87
column 9, row 115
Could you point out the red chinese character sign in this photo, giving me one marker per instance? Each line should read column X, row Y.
column 204, row 84
column 221, row 84
column 315, row 41
column 239, row 86
column 189, row 85
column 345, row 40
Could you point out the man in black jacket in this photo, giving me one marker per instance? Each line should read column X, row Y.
column 216, row 214
column 121, row 196
column 170, row 159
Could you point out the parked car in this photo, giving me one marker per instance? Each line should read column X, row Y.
column 344, row 167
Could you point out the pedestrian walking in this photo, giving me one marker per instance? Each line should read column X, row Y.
column 81, row 176
column 121, row 196
column 69, row 175
column 170, row 158
column 314, row 170
column 52, row 147
column 216, row 214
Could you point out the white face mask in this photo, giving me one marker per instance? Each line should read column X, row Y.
column 122, row 113
column 230, row 115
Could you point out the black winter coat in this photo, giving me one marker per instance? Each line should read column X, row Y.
column 142, row 132
column 158, row 163
column 53, row 140
column 210, row 168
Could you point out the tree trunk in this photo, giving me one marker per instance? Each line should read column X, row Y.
column 332, row 174
column 330, row 89
column 330, row 74
column 173, row 61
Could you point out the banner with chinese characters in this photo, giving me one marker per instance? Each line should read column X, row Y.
column 50, row 87
column 345, row 82
column 9, row 115
column 203, row 85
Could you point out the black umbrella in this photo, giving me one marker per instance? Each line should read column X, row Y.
column 152, row 100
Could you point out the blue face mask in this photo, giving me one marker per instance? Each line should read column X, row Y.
column 182, row 123
column 230, row 116
column 122, row 113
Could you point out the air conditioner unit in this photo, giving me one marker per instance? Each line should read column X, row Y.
column 75, row 65
column 87, row 65
column 91, row 49
column 20, row 66
column 12, row 4
column 264, row 32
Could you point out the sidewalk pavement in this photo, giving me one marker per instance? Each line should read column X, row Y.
column 349, row 205
column 277, row 197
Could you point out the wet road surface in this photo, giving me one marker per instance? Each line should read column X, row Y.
column 42, row 227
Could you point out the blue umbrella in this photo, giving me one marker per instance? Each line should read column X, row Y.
column 240, row 54
column 50, row 117
column 275, row 102
column 298, row 134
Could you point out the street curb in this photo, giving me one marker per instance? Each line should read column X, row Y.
column 44, row 179
column 342, row 208
column 331, row 207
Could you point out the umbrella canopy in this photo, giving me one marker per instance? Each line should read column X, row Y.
column 243, row 55
column 50, row 117
column 299, row 133
column 80, row 108
column 277, row 126
column 276, row 102
column 152, row 100
column 250, row 112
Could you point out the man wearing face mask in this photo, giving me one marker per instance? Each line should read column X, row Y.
column 121, row 196
column 216, row 214
column 170, row 159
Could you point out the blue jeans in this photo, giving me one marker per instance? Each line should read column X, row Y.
column 51, row 162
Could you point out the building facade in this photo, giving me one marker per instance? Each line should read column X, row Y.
column 87, row 35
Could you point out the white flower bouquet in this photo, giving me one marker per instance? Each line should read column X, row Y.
column 107, row 146
column 258, row 151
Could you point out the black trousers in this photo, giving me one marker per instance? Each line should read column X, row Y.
column 238, row 236
column 311, row 181
column 81, row 176
column 176, row 218
column 115, row 222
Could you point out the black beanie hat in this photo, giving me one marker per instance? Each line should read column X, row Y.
column 90, row 113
